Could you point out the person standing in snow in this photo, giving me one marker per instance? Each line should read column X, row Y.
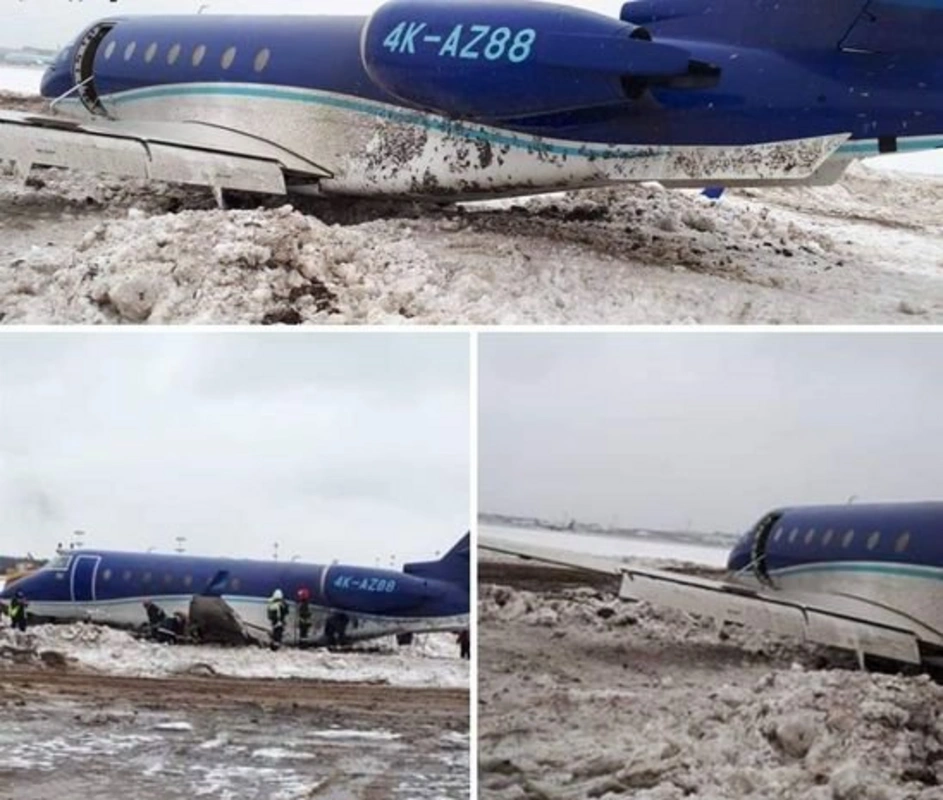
column 464, row 644
column 277, row 612
column 304, row 614
column 18, row 611
column 155, row 617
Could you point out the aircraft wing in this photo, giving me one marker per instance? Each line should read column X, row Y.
column 179, row 152
column 834, row 620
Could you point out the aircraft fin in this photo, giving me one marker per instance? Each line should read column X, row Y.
column 914, row 27
column 453, row 567
column 773, row 24
column 834, row 620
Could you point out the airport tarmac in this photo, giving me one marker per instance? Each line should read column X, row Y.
column 73, row 731
column 81, row 248
column 583, row 695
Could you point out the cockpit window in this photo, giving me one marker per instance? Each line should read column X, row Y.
column 61, row 561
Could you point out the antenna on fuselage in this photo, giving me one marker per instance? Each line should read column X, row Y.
column 275, row 551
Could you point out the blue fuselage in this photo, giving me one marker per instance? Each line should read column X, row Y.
column 111, row 586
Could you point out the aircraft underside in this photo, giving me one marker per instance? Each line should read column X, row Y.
column 277, row 140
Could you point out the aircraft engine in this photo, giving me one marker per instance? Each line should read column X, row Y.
column 506, row 59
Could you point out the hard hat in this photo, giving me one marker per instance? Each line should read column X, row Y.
column 277, row 594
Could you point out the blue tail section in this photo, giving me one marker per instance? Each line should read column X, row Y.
column 453, row 567
column 772, row 24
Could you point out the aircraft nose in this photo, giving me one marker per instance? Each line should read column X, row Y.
column 56, row 81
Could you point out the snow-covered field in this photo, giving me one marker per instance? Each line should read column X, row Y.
column 433, row 659
column 24, row 80
column 582, row 695
column 622, row 547
column 84, row 249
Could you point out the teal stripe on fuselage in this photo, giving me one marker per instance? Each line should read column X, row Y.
column 882, row 568
column 391, row 113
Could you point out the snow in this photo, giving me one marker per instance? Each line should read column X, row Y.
column 652, row 550
column 433, row 659
column 648, row 703
column 21, row 80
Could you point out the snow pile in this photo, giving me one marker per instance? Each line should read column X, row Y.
column 868, row 249
column 584, row 696
column 433, row 662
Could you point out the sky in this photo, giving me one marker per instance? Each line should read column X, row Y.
column 706, row 431
column 348, row 446
column 52, row 23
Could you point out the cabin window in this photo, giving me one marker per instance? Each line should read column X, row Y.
column 126, row 575
column 873, row 540
column 235, row 584
column 146, row 577
column 129, row 51
column 110, row 49
column 902, row 541
column 827, row 537
column 779, row 534
column 168, row 578
column 846, row 539
column 228, row 57
column 793, row 534
column 173, row 54
column 188, row 580
column 198, row 53
column 106, row 575
column 810, row 536
column 60, row 576
column 261, row 59
column 150, row 52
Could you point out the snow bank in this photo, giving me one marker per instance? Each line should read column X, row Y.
column 431, row 661
column 586, row 696
column 866, row 250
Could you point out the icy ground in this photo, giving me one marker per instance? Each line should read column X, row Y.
column 432, row 661
column 83, row 249
column 582, row 695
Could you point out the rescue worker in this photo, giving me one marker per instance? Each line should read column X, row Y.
column 18, row 611
column 155, row 618
column 464, row 644
column 277, row 612
column 304, row 613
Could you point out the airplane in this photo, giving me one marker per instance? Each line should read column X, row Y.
column 349, row 603
column 454, row 100
column 866, row 578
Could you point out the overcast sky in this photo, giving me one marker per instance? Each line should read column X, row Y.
column 51, row 23
column 706, row 430
column 347, row 446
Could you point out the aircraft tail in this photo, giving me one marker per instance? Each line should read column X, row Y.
column 454, row 566
column 881, row 26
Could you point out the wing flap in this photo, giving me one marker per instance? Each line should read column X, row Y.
column 178, row 152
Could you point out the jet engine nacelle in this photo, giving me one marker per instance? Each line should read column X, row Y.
column 504, row 59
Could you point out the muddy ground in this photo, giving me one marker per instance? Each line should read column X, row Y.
column 583, row 695
column 73, row 733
